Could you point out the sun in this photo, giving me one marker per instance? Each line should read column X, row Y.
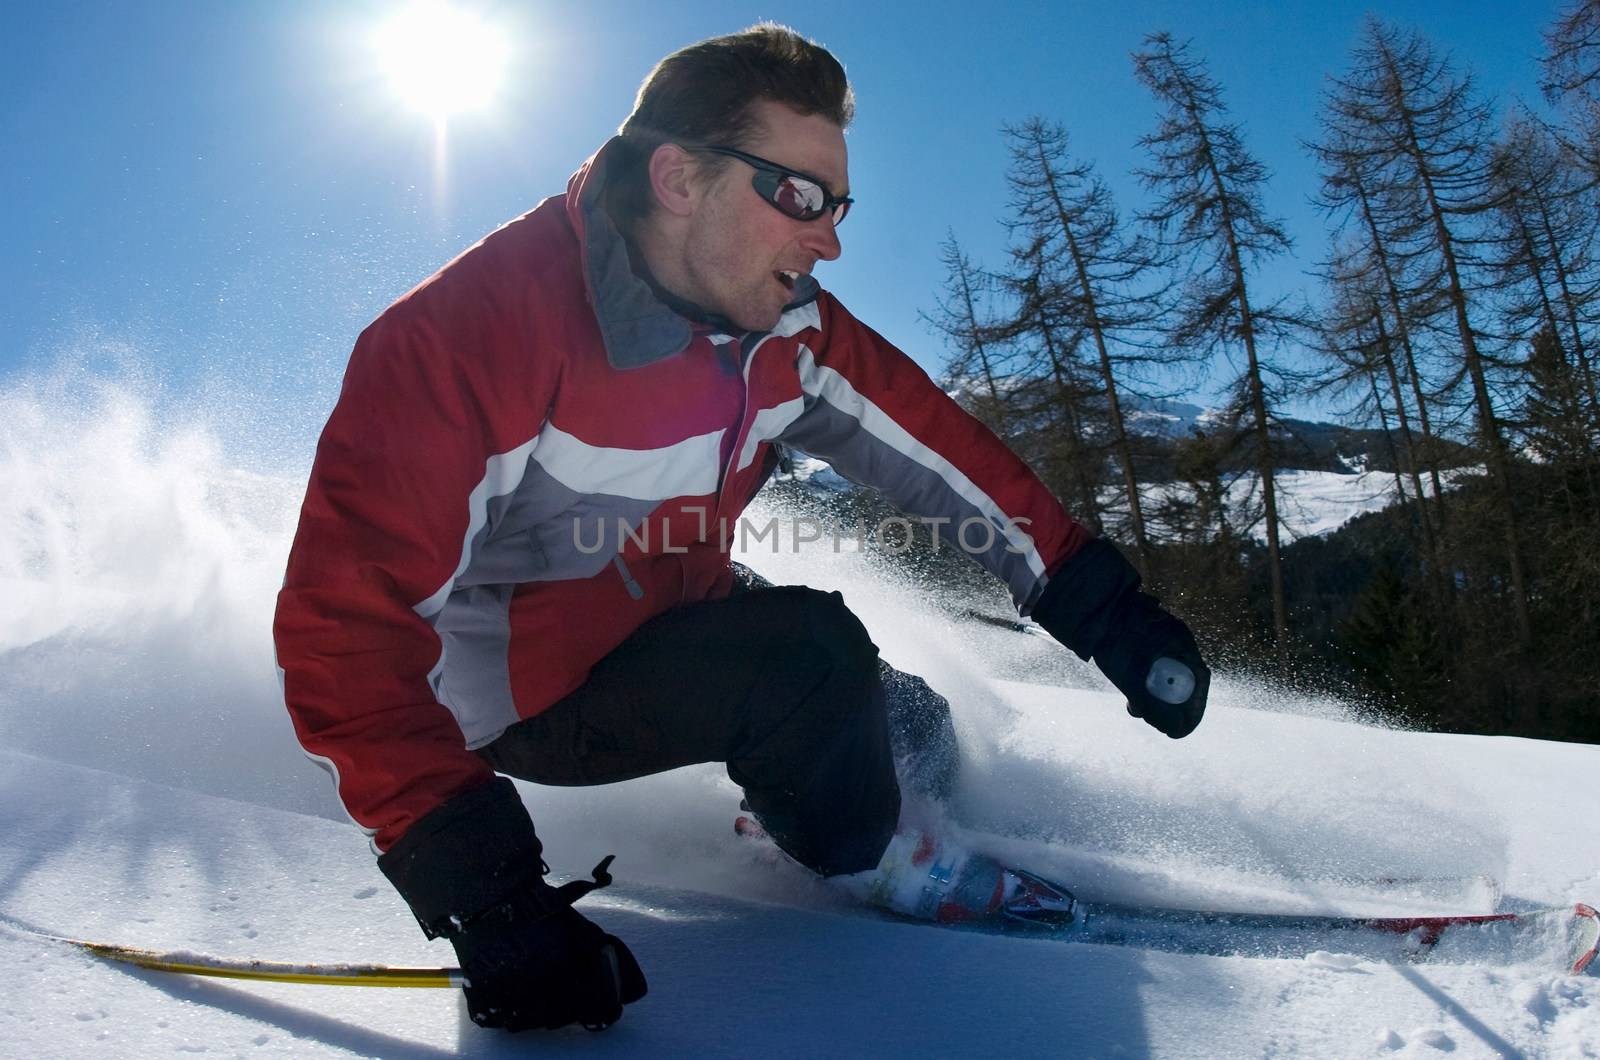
column 442, row 60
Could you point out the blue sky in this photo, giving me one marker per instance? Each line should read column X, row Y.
column 218, row 196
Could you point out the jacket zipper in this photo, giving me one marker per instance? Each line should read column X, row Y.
column 744, row 410
column 635, row 590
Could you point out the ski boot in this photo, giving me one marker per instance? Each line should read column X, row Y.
column 927, row 878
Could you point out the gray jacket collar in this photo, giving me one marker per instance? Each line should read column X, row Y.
column 640, row 323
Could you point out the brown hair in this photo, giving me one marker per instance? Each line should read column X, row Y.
column 701, row 94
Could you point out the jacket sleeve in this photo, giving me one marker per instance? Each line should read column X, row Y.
column 396, row 487
column 876, row 417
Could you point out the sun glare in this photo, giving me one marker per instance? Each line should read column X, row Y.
column 442, row 60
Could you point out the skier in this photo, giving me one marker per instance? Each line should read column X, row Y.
column 513, row 555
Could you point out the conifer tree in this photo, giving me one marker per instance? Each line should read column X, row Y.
column 977, row 365
column 1209, row 210
column 1086, row 274
column 1572, row 77
column 1381, row 253
column 1060, row 396
column 1547, row 224
column 1409, row 117
column 1360, row 344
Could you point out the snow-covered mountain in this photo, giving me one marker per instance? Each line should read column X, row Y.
column 1299, row 444
column 1168, row 419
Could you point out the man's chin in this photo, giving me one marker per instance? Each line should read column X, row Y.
column 758, row 321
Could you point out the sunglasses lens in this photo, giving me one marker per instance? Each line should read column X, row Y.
column 802, row 199
column 797, row 197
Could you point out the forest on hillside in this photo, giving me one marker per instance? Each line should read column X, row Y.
column 1456, row 312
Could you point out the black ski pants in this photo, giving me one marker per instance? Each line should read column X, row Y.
column 782, row 684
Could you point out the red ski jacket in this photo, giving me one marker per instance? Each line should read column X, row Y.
column 532, row 454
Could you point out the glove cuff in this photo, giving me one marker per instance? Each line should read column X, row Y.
column 1079, row 603
column 466, row 857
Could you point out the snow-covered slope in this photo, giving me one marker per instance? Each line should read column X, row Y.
column 151, row 794
column 1259, row 809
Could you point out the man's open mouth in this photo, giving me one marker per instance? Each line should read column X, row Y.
column 787, row 277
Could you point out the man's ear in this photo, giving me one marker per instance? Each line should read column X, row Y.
column 675, row 179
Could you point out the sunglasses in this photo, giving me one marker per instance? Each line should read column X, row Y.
column 789, row 191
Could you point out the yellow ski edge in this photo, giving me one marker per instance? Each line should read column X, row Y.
column 185, row 963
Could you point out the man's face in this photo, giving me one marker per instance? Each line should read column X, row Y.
column 739, row 245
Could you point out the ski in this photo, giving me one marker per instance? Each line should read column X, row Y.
column 188, row 963
column 923, row 879
column 1568, row 936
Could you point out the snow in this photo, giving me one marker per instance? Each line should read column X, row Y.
column 745, row 959
column 151, row 794
column 1319, row 502
column 817, row 473
column 1310, row 503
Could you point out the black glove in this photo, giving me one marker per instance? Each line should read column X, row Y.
column 471, row 871
column 1093, row 605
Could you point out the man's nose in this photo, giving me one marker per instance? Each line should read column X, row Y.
column 822, row 239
